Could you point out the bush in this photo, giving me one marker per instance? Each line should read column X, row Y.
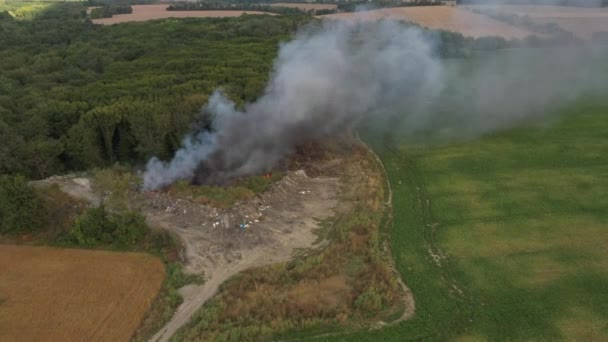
column 97, row 227
column 21, row 209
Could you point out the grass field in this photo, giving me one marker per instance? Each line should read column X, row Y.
column 51, row 294
column 518, row 222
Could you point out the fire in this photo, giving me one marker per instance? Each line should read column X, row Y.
column 267, row 175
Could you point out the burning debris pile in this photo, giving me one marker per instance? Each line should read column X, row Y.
column 275, row 220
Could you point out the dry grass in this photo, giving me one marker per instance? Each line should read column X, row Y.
column 447, row 18
column 56, row 294
column 151, row 12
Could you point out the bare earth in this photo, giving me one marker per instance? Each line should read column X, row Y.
column 448, row 18
column 151, row 12
column 582, row 22
column 52, row 294
column 277, row 223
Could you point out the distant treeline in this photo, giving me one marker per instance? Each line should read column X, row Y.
column 574, row 3
column 223, row 6
column 264, row 6
column 107, row 11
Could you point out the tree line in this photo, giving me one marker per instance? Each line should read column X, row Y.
column 107, row 11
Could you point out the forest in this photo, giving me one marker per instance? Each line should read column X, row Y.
column 76, row 96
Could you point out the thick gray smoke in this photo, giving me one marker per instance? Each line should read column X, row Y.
column 328, row 78
column 323, row 80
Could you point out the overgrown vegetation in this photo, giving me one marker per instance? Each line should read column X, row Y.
column 347, row 285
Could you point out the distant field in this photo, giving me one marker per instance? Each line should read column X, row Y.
column 442, row 17
column 52, row 294
column 151, row 12
column 304, row 6
column 583, row 22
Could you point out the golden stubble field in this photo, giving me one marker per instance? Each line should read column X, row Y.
column 53, row 294
column 448, row 18
column 583, row 22
column 151, row 12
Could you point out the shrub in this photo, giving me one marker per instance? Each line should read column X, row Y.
column 97, row 227
column 21, row 209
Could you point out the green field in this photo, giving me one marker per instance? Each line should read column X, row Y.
column 522, row 220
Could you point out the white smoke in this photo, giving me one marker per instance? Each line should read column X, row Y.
column 323, row 80
column 331, row 76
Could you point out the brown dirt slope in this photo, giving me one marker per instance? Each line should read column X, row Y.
column 52, row 294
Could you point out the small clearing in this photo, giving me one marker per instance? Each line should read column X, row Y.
column 448, row 18
column 52, row 294
column 151, row 12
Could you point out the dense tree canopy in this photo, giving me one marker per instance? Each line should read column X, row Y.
column 74, row 95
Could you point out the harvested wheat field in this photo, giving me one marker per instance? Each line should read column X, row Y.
column 447, row 18
column 54, row 294
column 151, row 12
column 304, row 6
column 583, row 22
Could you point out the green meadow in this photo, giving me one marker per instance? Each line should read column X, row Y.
column 504, row 237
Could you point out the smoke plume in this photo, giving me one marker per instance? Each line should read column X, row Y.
column 329, row 77
column 323, row 80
